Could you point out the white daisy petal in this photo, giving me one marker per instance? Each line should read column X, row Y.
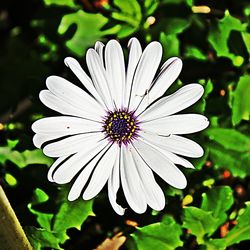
column 145, row 73
column 135, row 52
column 99, row 47
column 113, row 186
column 101, row 173
column 40, row 139
column 73, row 165
column 181, row 99
column 175, row 144
column 153, row 193
column 176, row 124
column 74, row 65
column 131, row 183
column 161, row 165
column 99, row 78
column 72, row 94
column 169, row 72
column 65, row 125
column 83, row 177
column 72, row 144
column 54, row 166
column 57, row 104
column 115, row 69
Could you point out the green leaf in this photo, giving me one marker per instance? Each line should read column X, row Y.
column 218, row 200
column 194, row 52
column 171, row 44
column 129, row 13
column 219, row 35
column 237, row 164
column 22, row 159
column 163, row 235
column 242, row 230
column 200, row 222
column 43, row 219
column 169, row 36
column 238, row 233
column 150, row 6
column 229, row 139
column 69, row 3
column 88, row 30
column 241, row 101
column 41, row 238
column 71, row 214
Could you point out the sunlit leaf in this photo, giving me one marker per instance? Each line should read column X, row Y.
column 163, row 235
column 22, row 159
column 241, row 101
column 218, row 200
column 200, row 222
column 194, row 52
column 69, row 3
column 150, row 6
column 237, row 163
column 169, row 36
column 89, row 30
column 219, row 35
column 71, row 214
column 240, row 232
column 43, row 219
column 229, row 139
column 129, row 13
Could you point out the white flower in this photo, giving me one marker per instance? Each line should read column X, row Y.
column 118, row 131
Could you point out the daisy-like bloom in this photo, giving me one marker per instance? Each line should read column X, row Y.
column 120, row 129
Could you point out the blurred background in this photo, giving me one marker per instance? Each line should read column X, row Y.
column 213, row 40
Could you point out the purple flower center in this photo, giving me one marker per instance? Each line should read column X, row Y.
column 121, row 126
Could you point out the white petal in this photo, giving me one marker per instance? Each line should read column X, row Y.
column 57, row 104
column 65, row 125
column 99, row 78
column 74, row 65
column 113, row 186
column 72, row 144
column 181, row 99
column 145, row 73
column 175, row 144
column 115, row 69
column 73, row 165
column 131, row 183
column 170, row 70
column 153, row 193
column 102, row 172
column 74, row 95
column 135, row 52
column 176, row 124
column 83, row 177
column 161, row 165
column 40, row 139
column 54, row 166
column 99, row 46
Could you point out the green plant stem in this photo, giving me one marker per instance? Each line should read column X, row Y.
column 12, row 236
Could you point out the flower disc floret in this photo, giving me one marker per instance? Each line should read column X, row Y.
column 121, row 126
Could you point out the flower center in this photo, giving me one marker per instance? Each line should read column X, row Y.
column 121, row 126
